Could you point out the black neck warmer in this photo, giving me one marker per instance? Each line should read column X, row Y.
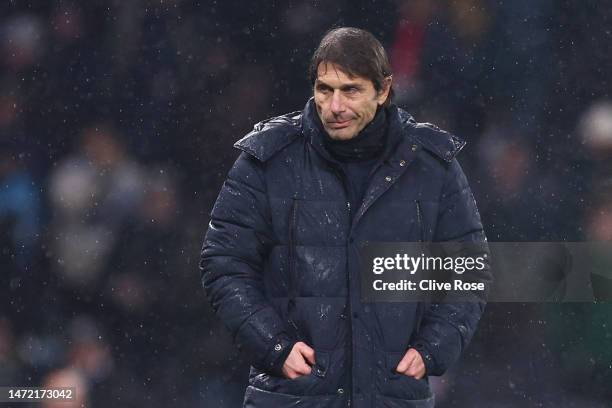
column 368, row 144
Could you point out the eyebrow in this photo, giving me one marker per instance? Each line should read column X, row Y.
column 344, row 87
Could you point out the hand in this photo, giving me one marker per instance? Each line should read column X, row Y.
column 412, row 365
column 296, row 364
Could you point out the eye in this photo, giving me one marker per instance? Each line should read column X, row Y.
column 351, row 90
column 323, row 89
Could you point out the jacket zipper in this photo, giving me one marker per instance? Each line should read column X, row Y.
column 347, row 307
column 420, row 305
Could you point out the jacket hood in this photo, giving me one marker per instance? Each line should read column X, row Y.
column 440, row 143
column 271, row 135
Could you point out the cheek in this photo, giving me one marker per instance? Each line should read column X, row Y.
column 363, row 114
column 371, row 111
column 320, row 107
column 365, row 110
column 321, row 104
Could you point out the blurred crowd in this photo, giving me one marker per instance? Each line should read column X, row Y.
column 117, row 121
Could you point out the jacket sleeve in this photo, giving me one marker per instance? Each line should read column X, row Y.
column 447, row 327
column 235, row 247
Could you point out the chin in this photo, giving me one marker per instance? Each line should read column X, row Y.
column 341, row 134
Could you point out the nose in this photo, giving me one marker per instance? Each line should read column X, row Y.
column 337, row 102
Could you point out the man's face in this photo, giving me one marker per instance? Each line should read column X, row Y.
column 345, row 104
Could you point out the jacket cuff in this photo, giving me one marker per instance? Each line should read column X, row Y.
column 428, row 359
column 277, row 354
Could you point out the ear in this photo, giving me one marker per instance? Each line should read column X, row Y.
column 384, row 92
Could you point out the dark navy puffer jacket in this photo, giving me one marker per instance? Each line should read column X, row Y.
column 280, row 263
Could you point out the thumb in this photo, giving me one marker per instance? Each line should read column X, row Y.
column 405, row 363
column 308, row 353
column 402, row 366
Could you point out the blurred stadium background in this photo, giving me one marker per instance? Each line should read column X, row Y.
column 117, row 121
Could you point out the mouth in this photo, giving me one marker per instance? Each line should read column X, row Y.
column 339, row 124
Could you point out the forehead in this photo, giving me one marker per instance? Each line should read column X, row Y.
column 332, row 74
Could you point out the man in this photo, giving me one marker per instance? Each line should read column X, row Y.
column 280, row 260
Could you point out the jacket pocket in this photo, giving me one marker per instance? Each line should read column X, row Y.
column 401, row 386
column 310, row 384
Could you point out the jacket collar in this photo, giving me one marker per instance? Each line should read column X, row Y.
column 404, row 133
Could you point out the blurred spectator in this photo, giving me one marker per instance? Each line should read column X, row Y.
column 92, row 192
column 510, row 180
column 138, row 282
column 407, row 48
column 20, row 206
column 22, row 39
column 88, row 351
column 456, row 61
column 19, row 210
column 67, row 377
column 595, row 130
